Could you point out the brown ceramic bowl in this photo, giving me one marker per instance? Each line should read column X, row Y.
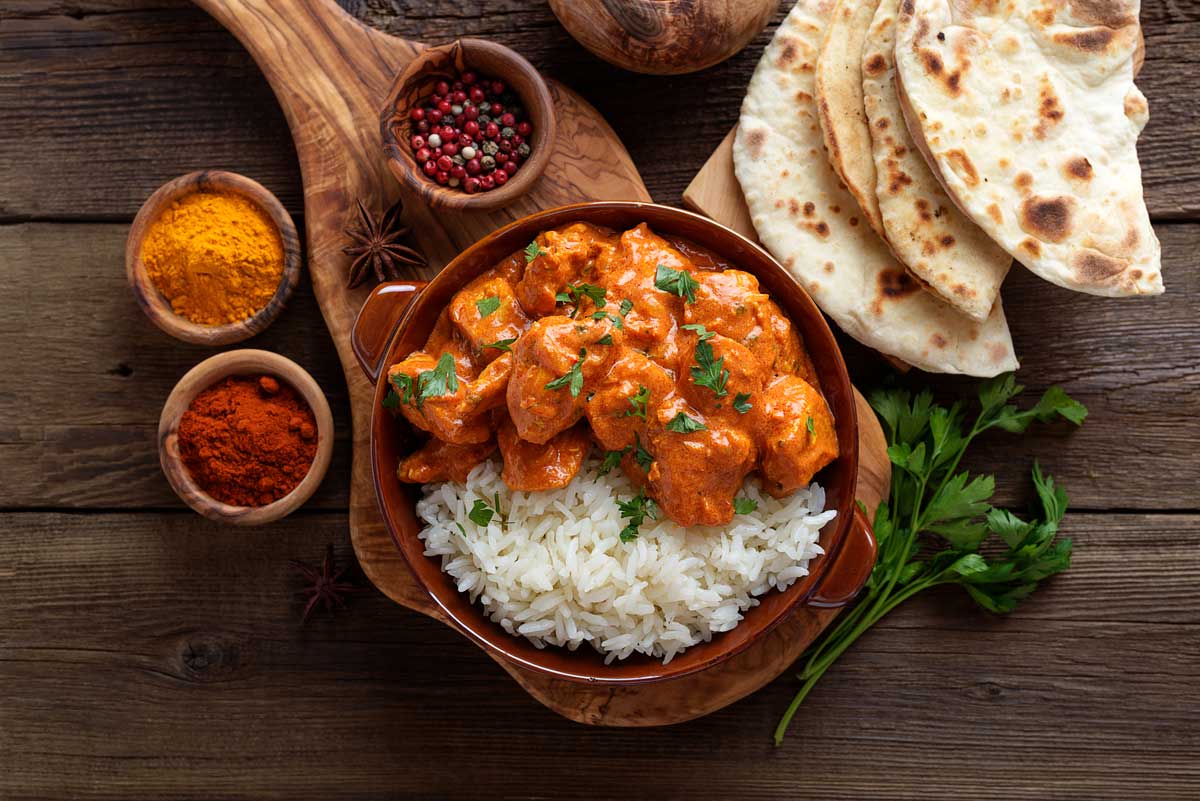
column 415, row 83
column 398, row 317
column 203, row 376
column 158, row 308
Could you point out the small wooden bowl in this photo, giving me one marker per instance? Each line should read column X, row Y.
column 203, row 376
column 664, row 37
column 158, row 308
column 448, row 61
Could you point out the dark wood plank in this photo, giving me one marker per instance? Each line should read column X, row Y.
column 86, row 374
column 151, row 657
column 109, row 101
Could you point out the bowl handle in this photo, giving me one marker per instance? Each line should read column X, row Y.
column 378, row 320
column 851, row 566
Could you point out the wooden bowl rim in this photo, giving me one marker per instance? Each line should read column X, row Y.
column 158, row 308
column 244, row 361
column 454, row 274
column 400, row 159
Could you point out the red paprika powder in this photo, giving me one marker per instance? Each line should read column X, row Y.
column 247, row 440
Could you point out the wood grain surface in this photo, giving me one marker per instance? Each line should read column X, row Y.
column 146, row 653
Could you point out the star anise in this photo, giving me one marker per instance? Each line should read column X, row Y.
column 377, row 248
column 324, row 584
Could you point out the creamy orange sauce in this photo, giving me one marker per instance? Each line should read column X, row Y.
column 648, row 348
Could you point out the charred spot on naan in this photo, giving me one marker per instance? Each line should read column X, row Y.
column 1107, row 13
column 755, row 139
column 1030, row 246
column 894, row 283
column 962, row 166
column 1047, row 218
column 994, row 212
column 1050, row 111
column 1078, row 168
column 1023, row 182
column 876, row 65
column 1087, row 40
column 938, row 341
column 1094, row 267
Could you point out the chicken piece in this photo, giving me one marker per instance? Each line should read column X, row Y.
column 628, row 274
column 556, row 363
column 566, row 255
column 790, row 354
column 612, row 412
column 511, row 269
column 445, row 338
column 489, row 390
column 720, row 361
column 486, row 311
column 792, row 453
column 696, row 475
column 452, row 415
column 441, row 461
column 530, row 467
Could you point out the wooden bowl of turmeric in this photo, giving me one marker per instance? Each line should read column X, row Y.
column 245, row 437
column 212, row 257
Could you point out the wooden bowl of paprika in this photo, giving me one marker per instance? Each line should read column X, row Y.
column 245, row 437
column 212, row 257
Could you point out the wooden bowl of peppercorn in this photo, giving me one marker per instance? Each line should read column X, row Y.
column 247, row 446
column 492, row 81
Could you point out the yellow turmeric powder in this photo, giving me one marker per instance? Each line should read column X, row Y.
column 215, row 256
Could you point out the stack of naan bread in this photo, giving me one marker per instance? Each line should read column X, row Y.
column 897, row 155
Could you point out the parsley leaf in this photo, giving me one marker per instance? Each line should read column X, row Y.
column 741, row 402
column 638, row 401
column 533, row 250
column 573, row 378
column 481, row 514
column 710, row 373
column 573, row 293
column 676, row 282
column 487, row 305
column 391, row 400
column 640, row 454
column 605, row 340
column 612, row 459
column 626, row 307
column 938, row 526
column 636, row 510
column 616, row 320
column 501, row 344
column 682, row 424
column 403, row 384
column 744, row 506
column 441, row 380
column 808, row 424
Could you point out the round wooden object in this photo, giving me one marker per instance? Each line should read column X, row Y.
column 203, row 376
column 158, row 308
column 414, row 84
column 664, row 37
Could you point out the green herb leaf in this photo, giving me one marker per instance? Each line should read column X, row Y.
column 481, row 514
column 501, row 344
column 701, row 331
column 812, row 431
column 616, row 320
column 391, row 400
column 441, row 380
column 636, row 510
column 744, row 506
column 741, row 402
column 487, row 305
column 533, row 250
column 710, row 372
column 640, row 454
column 403, row 384
column 682, row 424
column 573, row 293
column 573, row 378
column 676, row 282
column 612, row 459
column 626, row 307
column 605, row 340
column 638, row 401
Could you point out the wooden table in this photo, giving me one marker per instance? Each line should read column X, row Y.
column 146, row 653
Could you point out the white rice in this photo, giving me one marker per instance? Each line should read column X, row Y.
column 555, row 571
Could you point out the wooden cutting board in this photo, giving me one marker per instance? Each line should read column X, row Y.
column 331, row 75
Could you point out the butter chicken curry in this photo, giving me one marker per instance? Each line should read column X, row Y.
column 684, row 373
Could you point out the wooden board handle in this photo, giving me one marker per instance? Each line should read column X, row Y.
column 378, row 320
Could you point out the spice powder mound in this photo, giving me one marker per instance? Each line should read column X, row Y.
column 216, row 257
column 248, row 441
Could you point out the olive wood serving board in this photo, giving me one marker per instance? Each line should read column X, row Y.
column 331, row 75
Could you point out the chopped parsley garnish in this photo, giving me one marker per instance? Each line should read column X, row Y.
column 501, row 344
column 812, row 430
column 744, row 506
column 403, row 384
column 573, row 378
column 481, row 514
column 677, row 282
column 487, row 305
column 573, row 293
column 636, row 510
column 626, row 306
column 533, row 250
column 638, row 401
column 391, row 400
column 441, row 380
column 616, row 321
column 711, row 372
column 605, row 340
column 640, row 454
column 612, row 459
column 682, row 424
column 741, row 402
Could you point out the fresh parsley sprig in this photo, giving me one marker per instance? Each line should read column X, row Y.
column 711, row 372
column 676, row 282
column 636, row 510
column 441, row 380
column 573, row 378
column 938, row 525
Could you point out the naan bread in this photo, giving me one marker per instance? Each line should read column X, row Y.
column 1028, row 111
column 809, row 221
column 940, row 245
column 840, row 105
